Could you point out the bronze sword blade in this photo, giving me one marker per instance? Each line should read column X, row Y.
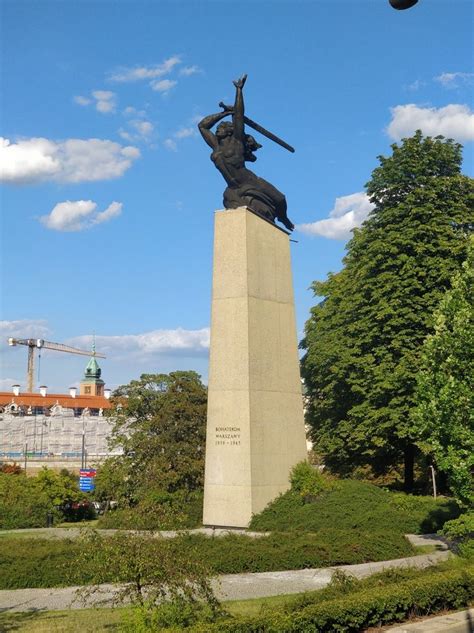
column 268, row 134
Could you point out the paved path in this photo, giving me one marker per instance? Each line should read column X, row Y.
column 75, row 532
column 232, row 586
column 460, row 622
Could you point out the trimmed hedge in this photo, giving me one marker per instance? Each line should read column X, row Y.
column 360, row 610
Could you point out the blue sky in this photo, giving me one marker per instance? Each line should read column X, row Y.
column 108, row 192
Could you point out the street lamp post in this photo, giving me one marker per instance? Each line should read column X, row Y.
column 83, row 452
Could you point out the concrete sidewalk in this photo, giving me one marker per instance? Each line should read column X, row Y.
column 75, row 532
column 460, row 622
column 230, row 586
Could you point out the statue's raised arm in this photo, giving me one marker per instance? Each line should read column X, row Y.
column 209, row 122
column 238, row 115
column 231, row 148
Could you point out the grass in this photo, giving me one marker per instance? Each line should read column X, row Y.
column 72, row 621
column 92, row 523
column 6, row 535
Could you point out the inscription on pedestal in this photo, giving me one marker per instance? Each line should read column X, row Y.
column 227, row 436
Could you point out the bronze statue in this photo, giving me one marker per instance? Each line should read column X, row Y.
column 231, row 149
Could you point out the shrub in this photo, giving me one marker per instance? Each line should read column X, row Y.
column 460, row 532
column 308, row 482
column 175, row 614
column 235, row 554
column 11, row 469
column 23, row 504
column 354, row 504
column 359, row 610
column 151, row 570
column 49, row 563
column 460, row 528
column 158, row 511
column 39, row 563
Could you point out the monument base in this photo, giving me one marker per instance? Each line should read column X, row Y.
column 255, row 424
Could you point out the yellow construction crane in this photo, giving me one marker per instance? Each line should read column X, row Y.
column 39, row 343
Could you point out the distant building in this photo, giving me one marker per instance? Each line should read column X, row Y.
column 92, row 384
column 57, row 429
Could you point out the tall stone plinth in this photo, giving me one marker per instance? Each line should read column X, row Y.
column 255, row 426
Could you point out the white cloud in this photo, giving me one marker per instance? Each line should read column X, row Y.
column 145, row 128
column 187, row 71
column 24, row 328
column 170, row 144
column 454, row 80
column 348, row 212
column 139, row 73
column 131, row 111
column 74, row 160
column 185, row 132
column 453, row 121
column 163, row 85
column 7, row 383
column 105, row 101
column 142, row 130
column 82, row 101
column 415, row 85
column 103, row 95
column 113, row 210
column 78, row 215
column 127, row 136
column 171, row 342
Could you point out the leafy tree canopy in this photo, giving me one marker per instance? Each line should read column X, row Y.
column 444, row 417
column 363, row 341
column 160, row 422
column 26, row 501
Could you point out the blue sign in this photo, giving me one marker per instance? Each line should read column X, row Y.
column 87, row 479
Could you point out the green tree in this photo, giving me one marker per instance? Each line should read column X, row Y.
column 59, row 487
column 23, row 504
column 444, row 417
column 158, row 576
column 363, row 341
column 160, row 423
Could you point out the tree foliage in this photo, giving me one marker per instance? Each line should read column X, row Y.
column 444, row 417
column 159, row 422
column 25, row 502
column 59, row 487
column 363, row 340
column 151, row 570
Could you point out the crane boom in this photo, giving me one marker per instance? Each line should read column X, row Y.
column 60, row 347
column 39, row 343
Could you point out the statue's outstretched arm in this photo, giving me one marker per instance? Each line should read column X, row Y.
column 239, row 110
column 207, row 123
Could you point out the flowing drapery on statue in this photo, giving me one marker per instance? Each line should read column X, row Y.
column 232, row 147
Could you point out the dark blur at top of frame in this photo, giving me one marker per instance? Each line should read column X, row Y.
column 402, row 4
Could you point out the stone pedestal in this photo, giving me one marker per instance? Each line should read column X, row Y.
column 255, row 426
